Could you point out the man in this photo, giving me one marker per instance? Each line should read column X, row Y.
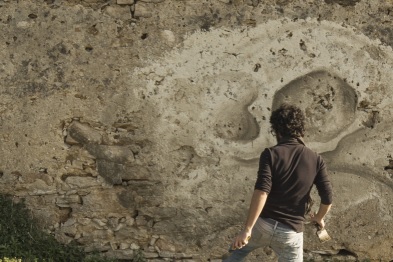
column 287, row 172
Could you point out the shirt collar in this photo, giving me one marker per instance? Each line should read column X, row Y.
column 291, row 140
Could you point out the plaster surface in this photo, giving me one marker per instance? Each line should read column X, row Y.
column 137, row 125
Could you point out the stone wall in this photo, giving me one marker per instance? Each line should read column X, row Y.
column 136, row 125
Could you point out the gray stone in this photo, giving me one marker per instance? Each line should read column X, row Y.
column 124, row 246
column 118, row 154
column 69, row 140
column 159, row 213
column 77, row 182
column 169, row 36
column 133, row 233
column 150, row 255
column 100, row 222
column 165, row 246
column 69, row 222
column 119, row 12
column 110, row 171
column 125, row 2
column 121, row 254
column 152, row 1
column 83, row 133
column 116, row 173
column 141, row 194
column 143, row 10
column 166, row 254
column 68, row 200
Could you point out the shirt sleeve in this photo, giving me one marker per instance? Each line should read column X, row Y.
column 264, row 179
column 323, row 184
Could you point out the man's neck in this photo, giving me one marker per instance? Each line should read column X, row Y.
column 285, row 138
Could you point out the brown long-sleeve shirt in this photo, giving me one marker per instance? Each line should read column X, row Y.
column 287, row 172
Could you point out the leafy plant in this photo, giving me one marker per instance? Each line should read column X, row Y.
column 21, row 239
column 6, row 259
column 139, row 257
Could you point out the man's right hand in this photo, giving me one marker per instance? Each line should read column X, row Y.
column 241, row 240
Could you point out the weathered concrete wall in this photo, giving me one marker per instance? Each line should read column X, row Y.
column 137, row 125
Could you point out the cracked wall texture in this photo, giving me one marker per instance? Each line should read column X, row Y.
column 137, row 124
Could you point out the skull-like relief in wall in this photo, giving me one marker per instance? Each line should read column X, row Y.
column 214, row 97
column 212, row 100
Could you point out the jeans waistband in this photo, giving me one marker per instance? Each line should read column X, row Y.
column 275, row 223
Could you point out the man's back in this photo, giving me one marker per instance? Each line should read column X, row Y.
column 287, row 172
column 278, row 205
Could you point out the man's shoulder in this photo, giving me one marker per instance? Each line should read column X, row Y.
column 298, row 147
column 315, row 155
column 311, row 151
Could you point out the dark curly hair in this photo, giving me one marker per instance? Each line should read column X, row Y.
column 288, row 121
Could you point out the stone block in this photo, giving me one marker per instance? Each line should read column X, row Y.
column 159, row 213
column 124, row 246
column 67, row 201
column 118, row 12
column 69, row 223
column 84, row 221
column 101, row 201
column 168, row 35
column 136, row 234
column 125, row 2
column 143, row 10
column 70, row 141
column 152, row 1
column 83, row 133
column 125, row 254
column 115, row 173
column 100, row 222
column 150, row 255
column 110, row 171
column 166, row 254
column 118, row 154
column 141, row 193
column 39, row 187
column 81, row 181
column 165, row 246
column 134, row 246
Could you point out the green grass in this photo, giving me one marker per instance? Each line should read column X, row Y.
column 139, row 257
column 21, row 239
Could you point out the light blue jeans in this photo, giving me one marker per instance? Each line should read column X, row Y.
column 285, row 242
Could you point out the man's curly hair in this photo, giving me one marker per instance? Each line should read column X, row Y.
column 288, row 121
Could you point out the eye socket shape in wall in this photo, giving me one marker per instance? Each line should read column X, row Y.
column 328, row 101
